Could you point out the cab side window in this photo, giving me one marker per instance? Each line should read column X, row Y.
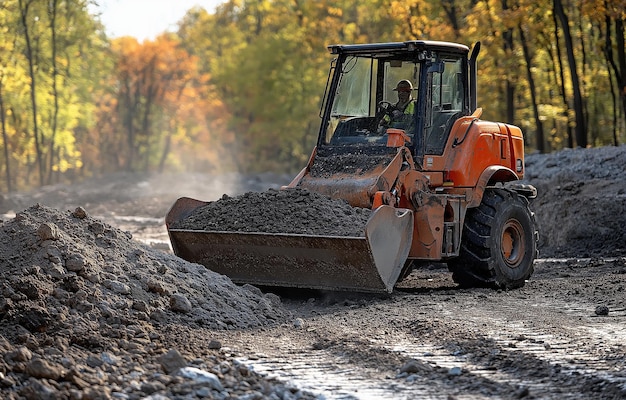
column 447, row 96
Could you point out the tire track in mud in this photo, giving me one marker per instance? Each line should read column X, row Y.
column 542, row 358
column 542, row 341
column 501, row 366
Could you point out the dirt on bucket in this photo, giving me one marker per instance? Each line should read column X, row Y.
column 294, row 210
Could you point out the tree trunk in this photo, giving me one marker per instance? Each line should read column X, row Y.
column 570, row 135
column 127, row 108
column 620, row 68
column 52, row 11
column 150, row 96
column 166, row 151
column 449, row 8
column 33, row 98
column 507, row 37
column 540, row 145
column 583, row 57
column 581, row 134
column 611, row 68
column 5, row 139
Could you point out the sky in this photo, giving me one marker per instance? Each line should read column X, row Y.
column 145, row 19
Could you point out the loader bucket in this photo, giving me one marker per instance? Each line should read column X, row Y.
column 371, row 263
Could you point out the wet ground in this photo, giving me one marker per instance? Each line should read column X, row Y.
column 548, row 340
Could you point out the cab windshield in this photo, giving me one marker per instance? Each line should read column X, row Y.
column 367, row 101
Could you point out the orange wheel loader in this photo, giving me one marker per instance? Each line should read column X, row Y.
column 443, row 184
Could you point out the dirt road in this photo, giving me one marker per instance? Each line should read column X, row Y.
column 432, row 340
column 561, row 336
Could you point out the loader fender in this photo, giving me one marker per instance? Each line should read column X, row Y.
column 489, row 177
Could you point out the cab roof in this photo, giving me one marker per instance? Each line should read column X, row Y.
column 378, row 49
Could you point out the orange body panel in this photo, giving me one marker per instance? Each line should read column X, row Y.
column 477, row 153
column 473, row 147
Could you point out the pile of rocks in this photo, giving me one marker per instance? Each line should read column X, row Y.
column 581, row 203
column 89, row 313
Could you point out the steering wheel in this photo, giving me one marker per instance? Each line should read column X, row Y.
column 382, row 108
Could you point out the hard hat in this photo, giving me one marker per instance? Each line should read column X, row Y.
column 404, row 86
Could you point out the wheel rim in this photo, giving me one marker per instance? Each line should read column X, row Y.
column 512, row 244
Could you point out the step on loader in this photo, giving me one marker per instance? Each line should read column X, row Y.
column 401, row 135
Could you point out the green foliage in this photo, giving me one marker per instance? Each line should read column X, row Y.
column 46, row 108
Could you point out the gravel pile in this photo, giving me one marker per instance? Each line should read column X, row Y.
column 296, row 211
column 350, row 164
column 581, row 202
column 88, row 313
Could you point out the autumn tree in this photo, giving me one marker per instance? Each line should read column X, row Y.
column 157, row 104
column 262, row 64
column 6, row 48
column 29, row 25
column 46, row 95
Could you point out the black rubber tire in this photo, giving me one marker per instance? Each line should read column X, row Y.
column 499, row 242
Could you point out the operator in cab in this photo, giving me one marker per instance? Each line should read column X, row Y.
column 400, row 114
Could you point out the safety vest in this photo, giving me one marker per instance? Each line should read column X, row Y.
column 409, row 109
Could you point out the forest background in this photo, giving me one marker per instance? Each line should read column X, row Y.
column 239, row 89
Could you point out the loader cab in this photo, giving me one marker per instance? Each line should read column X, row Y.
column 360, row 90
